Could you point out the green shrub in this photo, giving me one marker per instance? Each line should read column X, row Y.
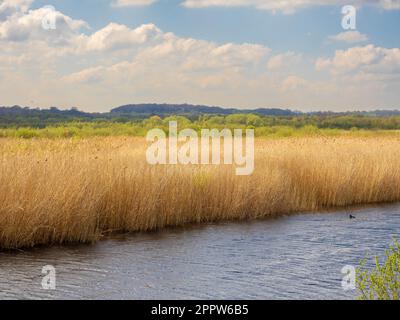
column 27, row 133
column 383, row 282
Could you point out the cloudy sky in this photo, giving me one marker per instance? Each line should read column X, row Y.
column 98, row 54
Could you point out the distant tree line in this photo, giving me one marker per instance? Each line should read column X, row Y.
column 199, row 116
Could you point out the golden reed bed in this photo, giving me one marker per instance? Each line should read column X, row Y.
column 61, row 191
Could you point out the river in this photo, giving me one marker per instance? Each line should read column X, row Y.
column 294, row 257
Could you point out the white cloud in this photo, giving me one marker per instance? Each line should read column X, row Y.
column 29, row 26
column 390, row 4
column 118, row 61
column 293, row 82
column 367, row 60
column 117, row 37
column 286, row 6
column 9, row 7
column 132, row 3
column 283, row 60
column 71, row 66
column 179, row 62
column 90, row 75
column 349, row 37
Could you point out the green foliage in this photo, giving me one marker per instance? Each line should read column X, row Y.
column 236, row 119
column 216, row 120
column 264, row 126
column 254, row 120
column 26, row 133
column 77, row 130
column 182, row 121
column 383, row 282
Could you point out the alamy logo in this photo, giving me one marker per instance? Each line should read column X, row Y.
column 186, row 147
column 49, row 280
column 349, row 278
column 349, row 20
column 49, row 20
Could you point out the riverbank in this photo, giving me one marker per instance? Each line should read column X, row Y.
column 74, row 191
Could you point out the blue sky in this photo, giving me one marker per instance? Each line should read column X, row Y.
column 305, row 30
column 297, row 49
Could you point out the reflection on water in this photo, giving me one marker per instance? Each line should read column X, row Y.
column 292, row 257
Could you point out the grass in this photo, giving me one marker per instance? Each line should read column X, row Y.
column 56, row 191
column 383, row 281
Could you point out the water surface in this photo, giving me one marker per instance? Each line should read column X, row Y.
column 297, row 257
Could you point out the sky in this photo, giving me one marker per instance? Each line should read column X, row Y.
column 99, row 54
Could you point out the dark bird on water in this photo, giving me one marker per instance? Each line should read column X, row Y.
column 352, row 217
